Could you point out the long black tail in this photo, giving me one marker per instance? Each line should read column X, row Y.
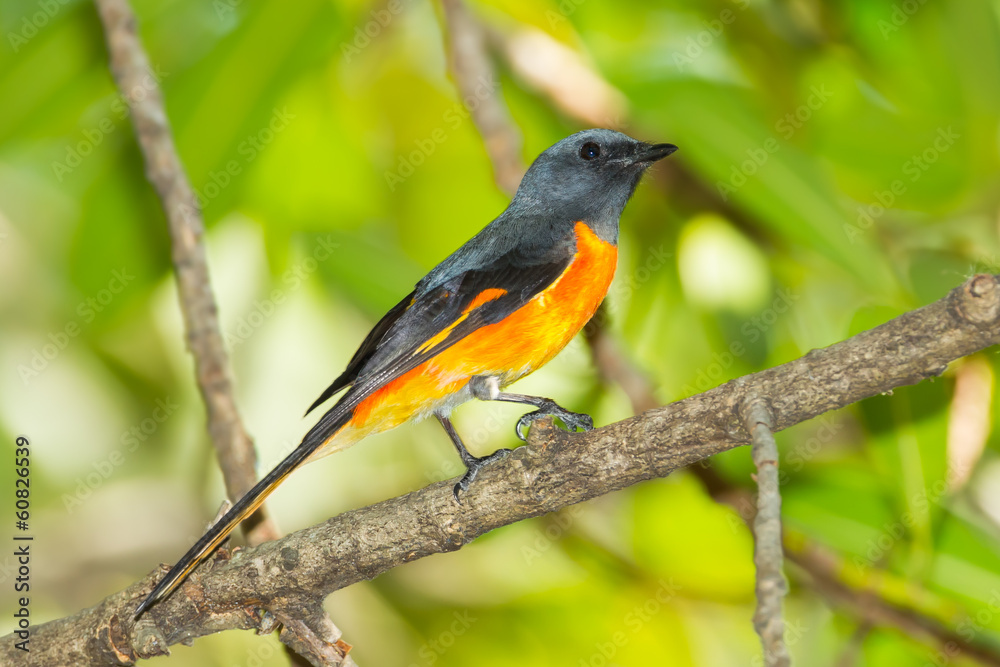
column 332, row 422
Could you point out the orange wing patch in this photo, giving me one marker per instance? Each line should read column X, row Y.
column 523, row 341
column 484, row 296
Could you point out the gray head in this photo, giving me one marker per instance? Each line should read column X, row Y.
column 587, row 176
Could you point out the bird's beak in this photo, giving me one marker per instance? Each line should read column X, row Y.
column 649, row 153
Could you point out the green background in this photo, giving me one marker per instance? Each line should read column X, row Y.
column 838, row 165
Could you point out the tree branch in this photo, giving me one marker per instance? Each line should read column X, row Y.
column 132, row 73
column 471, row 65
column 823, row 569
column 312, row 635
column 771, row 585
column 554, row 470
column 597, row 102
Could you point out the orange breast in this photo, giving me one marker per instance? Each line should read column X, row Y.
column 510, row 349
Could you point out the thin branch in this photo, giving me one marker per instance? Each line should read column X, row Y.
column 563, row 75
column 132, row 73
column 823, row 570
column 476, row 79
column 554, row 470
column 607, row 108
column 822, row 567
column 313, row 636
column 614, row 367
column 771, row 586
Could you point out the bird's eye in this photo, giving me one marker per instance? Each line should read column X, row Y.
column 590, row 150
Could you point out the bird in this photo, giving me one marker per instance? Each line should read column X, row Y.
column 496, row 309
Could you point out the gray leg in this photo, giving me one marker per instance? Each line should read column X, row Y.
column 488, row 389
column 472, row 463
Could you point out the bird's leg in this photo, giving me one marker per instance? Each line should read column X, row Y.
column 472, row 463
column 487, row 388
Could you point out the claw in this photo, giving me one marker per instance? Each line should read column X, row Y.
column 520, row 425
column 573, row 420
column 474, row 465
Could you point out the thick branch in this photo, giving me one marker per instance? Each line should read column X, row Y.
column 132, row 73
column 556, row 469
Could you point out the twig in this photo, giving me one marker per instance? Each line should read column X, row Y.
column 615, row 367
column 606, row 108
column 822, row 570
column 131, row 70
column 560, row 73
column 472, row 67
column 315, row 636
column 771, row 586
column 822, row 567
column 554, row 470
column 849, row 655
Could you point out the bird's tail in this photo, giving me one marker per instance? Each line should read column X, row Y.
column 245, row 506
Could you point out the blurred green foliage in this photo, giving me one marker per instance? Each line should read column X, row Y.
column 838, row 166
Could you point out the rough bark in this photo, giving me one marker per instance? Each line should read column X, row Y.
column 554, row 470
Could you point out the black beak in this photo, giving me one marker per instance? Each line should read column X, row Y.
column 649, row 153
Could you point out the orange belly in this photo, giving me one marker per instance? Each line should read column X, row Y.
column 510, row 349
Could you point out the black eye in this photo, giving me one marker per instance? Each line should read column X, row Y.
column 590, row 150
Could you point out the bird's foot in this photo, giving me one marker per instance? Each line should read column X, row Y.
column 473, row 465
column 573, row 420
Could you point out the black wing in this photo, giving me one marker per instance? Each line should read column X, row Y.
column 398, row 343
column 364, row 352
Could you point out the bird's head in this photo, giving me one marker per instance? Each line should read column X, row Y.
column 588, row 176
